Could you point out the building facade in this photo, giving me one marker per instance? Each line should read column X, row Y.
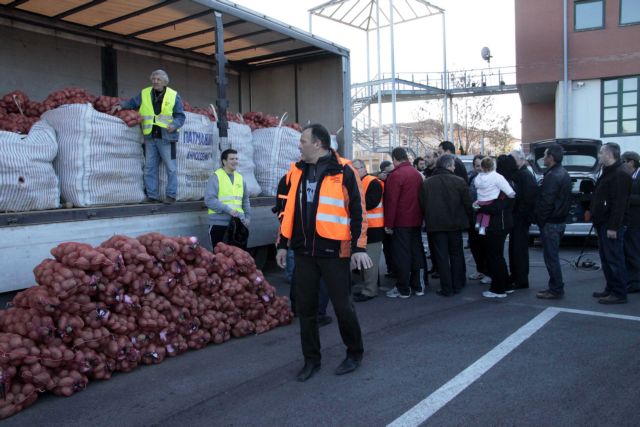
column 603, row 70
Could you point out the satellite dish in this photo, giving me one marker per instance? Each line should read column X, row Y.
column 486, row 54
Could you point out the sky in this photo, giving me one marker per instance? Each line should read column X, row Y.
column 470, row 26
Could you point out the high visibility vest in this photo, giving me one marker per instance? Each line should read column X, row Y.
column 149, row 117
column 229, row 193
column 375, row 216
column 332, row 217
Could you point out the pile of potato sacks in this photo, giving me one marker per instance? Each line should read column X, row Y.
column 97, row 310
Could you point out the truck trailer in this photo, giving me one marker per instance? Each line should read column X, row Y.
column 110, row 48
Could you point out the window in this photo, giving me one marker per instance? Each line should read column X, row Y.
column 620, row 111
column 588, row 14
column 629, row 12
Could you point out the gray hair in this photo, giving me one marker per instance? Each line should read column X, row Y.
column 357, row 163
column 445, row 161
column 519, row 155
column 162, row 74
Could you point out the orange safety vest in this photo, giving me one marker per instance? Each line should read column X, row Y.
column 375, row 216
column 332, row 218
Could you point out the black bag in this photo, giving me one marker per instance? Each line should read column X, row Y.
column 237, row 234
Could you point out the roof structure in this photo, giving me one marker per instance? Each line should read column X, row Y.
column 181, row 27
column 362, row 14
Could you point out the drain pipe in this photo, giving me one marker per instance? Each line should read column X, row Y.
column 565, row 82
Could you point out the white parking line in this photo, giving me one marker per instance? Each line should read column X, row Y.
column 436, row 400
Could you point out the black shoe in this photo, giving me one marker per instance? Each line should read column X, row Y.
column 602, row 294
column 169, row 201
column 348, row 365
column 547, row 295
column 633, row 290
column 612, row 299
column 443, row 293
column 324, row 320
column 308, row 370
column 520, row 286
column 360, row 297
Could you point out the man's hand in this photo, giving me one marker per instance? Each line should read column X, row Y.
column 612, row 234
column 171, row 128
column 388, row 230
column 234, row 213
column 361, row 260
column 281, row 258
column 115, row 108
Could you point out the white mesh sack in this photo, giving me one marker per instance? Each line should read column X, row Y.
column 197, row 156
column 241, row 140
column 274, row 150
column 27, row 179
column 99, row 159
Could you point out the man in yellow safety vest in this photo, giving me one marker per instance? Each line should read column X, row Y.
column 163, row 115
column 226, row 197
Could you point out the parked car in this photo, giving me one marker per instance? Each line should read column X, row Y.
column 581, row 162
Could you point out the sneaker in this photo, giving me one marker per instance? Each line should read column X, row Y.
column 489, row 294
column 476, row 276
column 419, row 292
column 482, row 231
column 486, row 280
column 477, row 225
column 394, row 293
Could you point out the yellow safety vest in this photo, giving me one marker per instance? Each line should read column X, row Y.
column 229, row 193
column 149, row 117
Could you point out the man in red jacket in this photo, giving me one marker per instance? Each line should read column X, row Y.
column 403, row 219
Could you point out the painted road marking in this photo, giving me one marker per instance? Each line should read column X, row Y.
column 439, row 398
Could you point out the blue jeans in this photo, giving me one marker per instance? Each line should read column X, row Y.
column 612, row 259
column 551, row 234
column 324, row 293
column 156, row 150
column 632, row 256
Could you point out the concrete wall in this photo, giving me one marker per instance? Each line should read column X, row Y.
column 538, row 122
column 39, row 64
column 585, row 115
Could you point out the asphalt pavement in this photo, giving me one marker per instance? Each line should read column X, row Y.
column 457, row 361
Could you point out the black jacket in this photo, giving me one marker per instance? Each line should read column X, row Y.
column 633, row 215
column 611, row 197
column 372, row 198
column 304, row 239
column 460, row 170
column 501, row 211
column 445, row 202
column 554, row 197
column 526, row 189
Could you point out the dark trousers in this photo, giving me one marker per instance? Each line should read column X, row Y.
column 632, row 256
column 324, row 294
column 434, row 260
column 551, row 235
column 478, row 248
column 497, row 264
column 612, row 258
column 449, row 253
column 336, row 273
column 217, row 233
column 519, row 254
column 408, row 255
column 388, row 253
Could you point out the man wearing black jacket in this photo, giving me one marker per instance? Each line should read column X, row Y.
column 447, row 147
column 324, row 222
column 608, row 210
column 525, row 187
column 552, row 207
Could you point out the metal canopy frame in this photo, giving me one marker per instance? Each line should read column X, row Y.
column 374, row 15
column 181, row 28
column 360, row 13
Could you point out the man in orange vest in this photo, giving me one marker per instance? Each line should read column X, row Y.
column 373, row 190
column 324, row 222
